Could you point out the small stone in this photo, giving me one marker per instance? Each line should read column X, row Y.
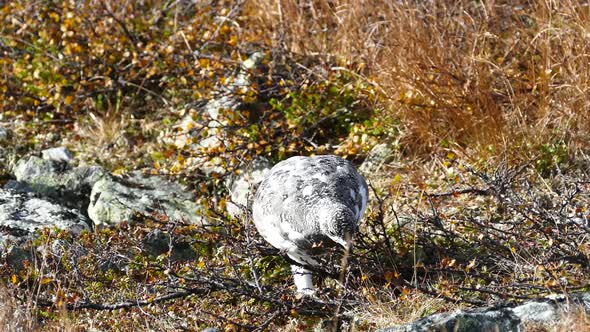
column 157, row 243
column 243, row 185
column 4, row 134
column 211, row 329
column 60, row 154
column 379, row 155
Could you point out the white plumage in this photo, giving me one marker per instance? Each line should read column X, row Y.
column 309, row 201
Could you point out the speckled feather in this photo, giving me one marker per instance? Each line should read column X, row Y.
column 300, row 195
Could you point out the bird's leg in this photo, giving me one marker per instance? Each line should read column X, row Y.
column 301, row 275
column 303, row 281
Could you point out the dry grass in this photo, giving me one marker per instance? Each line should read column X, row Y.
column 575, row 320
column 15, row 316
column 483, row 76
column 105, row 131
column 402, row 310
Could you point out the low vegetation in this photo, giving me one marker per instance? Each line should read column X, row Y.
column 484, row 105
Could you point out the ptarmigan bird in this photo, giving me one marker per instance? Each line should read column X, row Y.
column 306, row 202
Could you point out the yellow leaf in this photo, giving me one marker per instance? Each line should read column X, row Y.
column 388, row 276
column 233, row 40
column 45, row 280
column 14, row 279
column 551, row 283
column 119, row 171
column 225, row 29
column 156, row 165
column 68, row 100
column 204, row 63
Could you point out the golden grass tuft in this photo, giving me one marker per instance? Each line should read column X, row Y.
column 481, row 76
column 105, row 130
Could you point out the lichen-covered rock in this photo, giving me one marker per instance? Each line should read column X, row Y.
column 227, row 98
column 542, row 311
column 15, row 256
column 59, row 181
column 114, row 200
column 18, row 187
column 243, row 185
column 58, row 154
column 21, row 214
column 157, row 243
column 379, row 155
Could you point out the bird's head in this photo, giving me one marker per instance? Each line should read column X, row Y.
column 338, row 223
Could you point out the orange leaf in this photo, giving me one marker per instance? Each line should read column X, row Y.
column 68, row 100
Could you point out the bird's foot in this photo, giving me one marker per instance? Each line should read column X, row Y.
column 312, row 296
column 306, row 293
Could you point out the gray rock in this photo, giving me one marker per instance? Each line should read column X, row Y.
column 243, row 186
column 542, row 311
column 21, row 214
column 157, row 243
column 379, row 155
column 59, row 181
column 58, row 154
column 114, row 200
column 15, row 256
column 18, row 187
